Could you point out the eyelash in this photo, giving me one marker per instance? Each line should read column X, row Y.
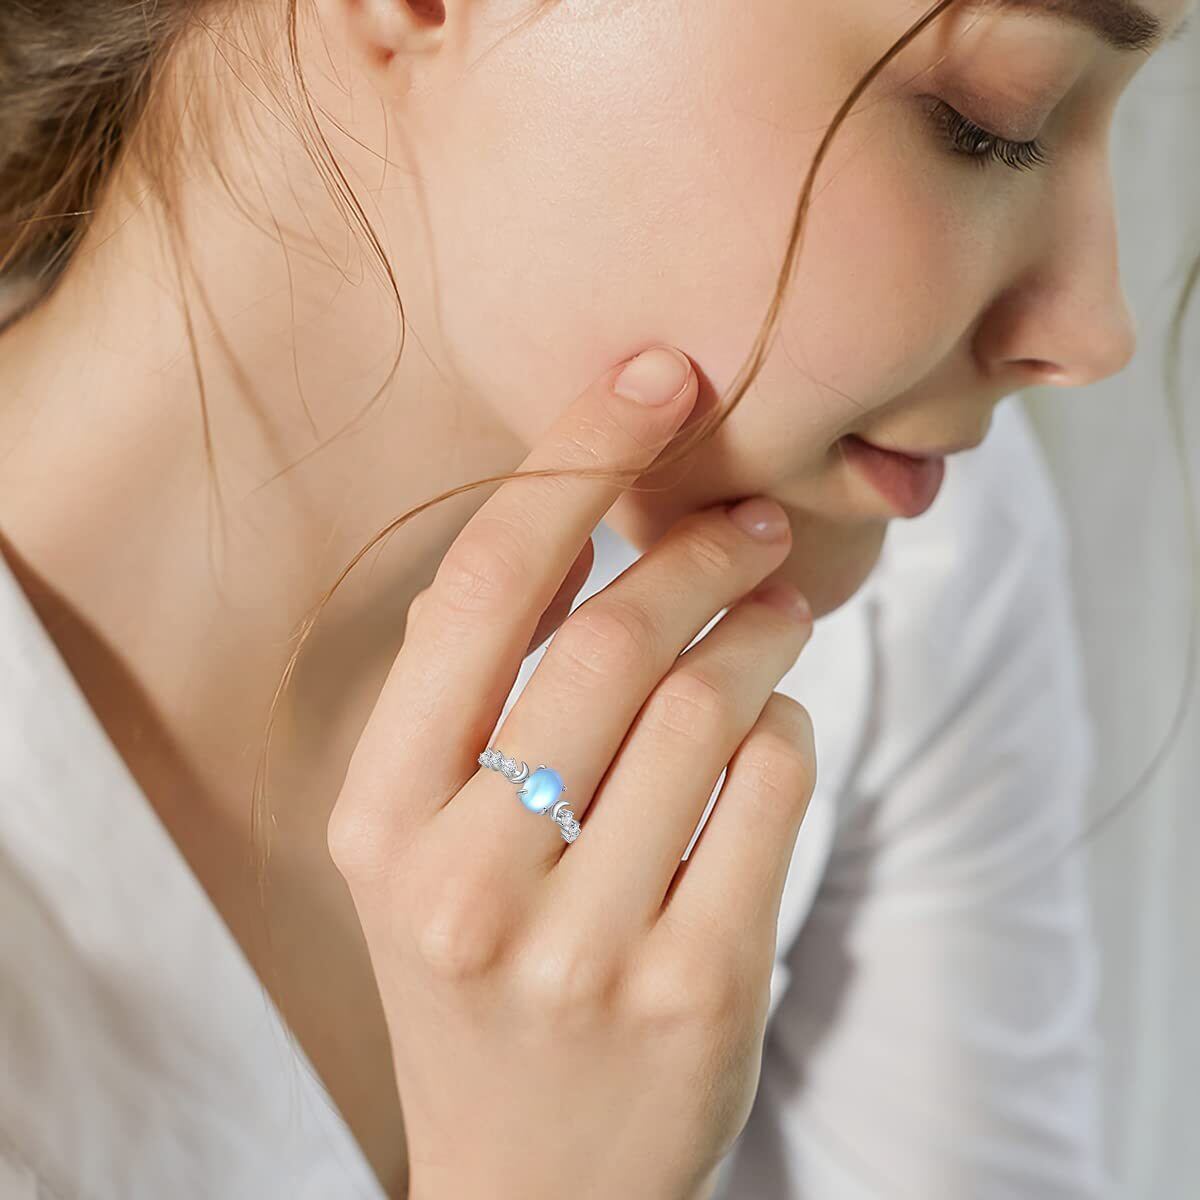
column 982, row 146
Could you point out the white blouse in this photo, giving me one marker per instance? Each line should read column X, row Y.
column 931, row 1031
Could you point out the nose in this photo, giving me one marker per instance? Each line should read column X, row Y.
column 1065, row 318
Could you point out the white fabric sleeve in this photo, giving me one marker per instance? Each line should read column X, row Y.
column 937, row 1038
column 17, row 1180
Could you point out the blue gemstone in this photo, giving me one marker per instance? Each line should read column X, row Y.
column 541, row 790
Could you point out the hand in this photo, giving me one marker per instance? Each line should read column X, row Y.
column 582, row 1019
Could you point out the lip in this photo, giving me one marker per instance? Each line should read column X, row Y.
column 909, row 483
column 934, row 452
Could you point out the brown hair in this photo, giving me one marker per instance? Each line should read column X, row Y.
column 76, row 84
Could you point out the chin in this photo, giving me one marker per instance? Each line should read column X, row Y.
column 829, row 563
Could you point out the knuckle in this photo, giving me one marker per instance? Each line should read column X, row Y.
column 584, row 445
column 344, row 843
column 793, row 721
column 606, row 638
column 355, row 845
column 562, row 979
column 774, row 771
column 456, row 932
column 418, row 605
column 630, row 423
column 777, row 762
column 707, row 552
column 721, row 999
column 684, row 984
column 484, row 570
column 687, row 704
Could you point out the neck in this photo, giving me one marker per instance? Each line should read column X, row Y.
column 192, row 454
column 190, row 457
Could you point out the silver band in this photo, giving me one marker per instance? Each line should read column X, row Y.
column 540, row 789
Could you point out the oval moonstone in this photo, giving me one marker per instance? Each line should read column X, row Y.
column 541, row 789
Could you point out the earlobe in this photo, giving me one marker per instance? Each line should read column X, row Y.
column 390, row 35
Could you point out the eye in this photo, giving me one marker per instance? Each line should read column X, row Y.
column 972, row 141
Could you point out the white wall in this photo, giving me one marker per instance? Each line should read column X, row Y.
column 1115, row 456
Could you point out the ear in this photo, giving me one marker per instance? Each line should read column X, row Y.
column 389, row 37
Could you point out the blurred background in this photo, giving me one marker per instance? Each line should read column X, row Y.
column 1115, row 456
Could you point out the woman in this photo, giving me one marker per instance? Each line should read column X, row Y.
column 607, row 176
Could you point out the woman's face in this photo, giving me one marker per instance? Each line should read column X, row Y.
column 616, row 173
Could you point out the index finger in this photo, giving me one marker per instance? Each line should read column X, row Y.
column 446, row 688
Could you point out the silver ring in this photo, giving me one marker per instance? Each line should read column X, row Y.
column 540, row 790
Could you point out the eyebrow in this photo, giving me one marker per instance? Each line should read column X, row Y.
column 1122, row 24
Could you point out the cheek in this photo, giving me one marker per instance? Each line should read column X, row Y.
column 642, row 189
column 883, row 285
column 892, row 274
column 598, row 213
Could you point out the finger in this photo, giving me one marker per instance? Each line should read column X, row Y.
column 648, row 807
column 560, row 606
column 577, row 707
column 731, row 884
column 464, row 646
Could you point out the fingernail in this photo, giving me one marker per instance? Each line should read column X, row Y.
column 784, row 596
column 761, row 518
column 655, row 376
